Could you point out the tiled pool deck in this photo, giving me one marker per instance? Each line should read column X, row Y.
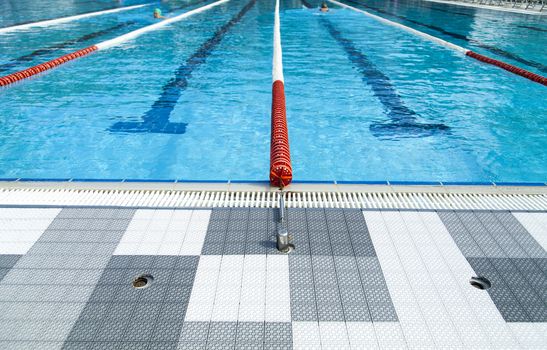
column 359, row 279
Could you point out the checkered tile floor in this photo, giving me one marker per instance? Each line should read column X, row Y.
column 356, row 280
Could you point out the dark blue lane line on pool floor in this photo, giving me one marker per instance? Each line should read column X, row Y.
column 533, row 28
column 40, row 52
column 403, row 120
column 156, row 120
column 493, row 49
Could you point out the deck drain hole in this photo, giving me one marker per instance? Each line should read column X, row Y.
column 480, row 282
column 288, row 249
column 142, row 281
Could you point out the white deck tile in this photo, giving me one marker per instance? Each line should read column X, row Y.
column 253, row 289
column 228, row 292
column 202, row 299
column 278, row 300
column 20, row 228
column 536, row 224
column 165, row 232
column 306, row 336
column 399, row 288
column 530, row 335
column 361, row 335
column 399, row 225
column 390, row 335
column 334, row 335
column 196, row 231
column 440, row 285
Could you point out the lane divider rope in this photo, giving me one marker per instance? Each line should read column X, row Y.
column 280, row 155
column 506, row 66
column 60, row 20
column 136, row 33
column 27, row 73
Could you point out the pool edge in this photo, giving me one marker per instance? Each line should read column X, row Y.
column 263, row 186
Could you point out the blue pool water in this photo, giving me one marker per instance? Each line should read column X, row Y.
column 191, row 101
column 18, row 12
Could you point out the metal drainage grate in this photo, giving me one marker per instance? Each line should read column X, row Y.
column 480, row 282
column 142, row 281
column 209, row 199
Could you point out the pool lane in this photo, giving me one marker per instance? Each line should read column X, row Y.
column 496, row 50
column 59, row 20
column 156, row 119
column 35, row 41
column 345, row 81
column 403, row 119
column 225, row 105
column 15, row 62
column 28, row 11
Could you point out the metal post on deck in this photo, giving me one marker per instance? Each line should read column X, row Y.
column 283, row 237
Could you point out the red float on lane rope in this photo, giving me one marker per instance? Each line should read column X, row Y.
column 280, row 155
column 26, row 73
column 508, row 67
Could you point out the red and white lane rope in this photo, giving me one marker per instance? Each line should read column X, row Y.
column 280, row 154
column 136, row 33
column 55, row 21
column 508, row 67
column 26, row 73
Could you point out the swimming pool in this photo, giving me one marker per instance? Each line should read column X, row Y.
column 191, row 101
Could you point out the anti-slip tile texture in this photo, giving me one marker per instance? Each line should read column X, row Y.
column 372, row 279
column 44, row 293
column 499, row 248
column 117, row 313
column 7, row 261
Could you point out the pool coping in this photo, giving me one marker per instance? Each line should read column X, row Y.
column 490, row 7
